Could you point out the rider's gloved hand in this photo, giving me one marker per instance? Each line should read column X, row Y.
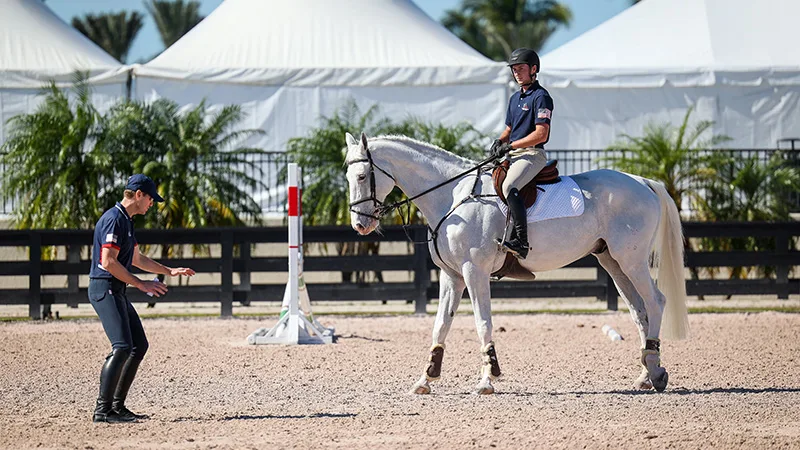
column 493, row 150
column 499, row 148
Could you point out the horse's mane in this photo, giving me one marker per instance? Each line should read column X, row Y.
column 422, row 145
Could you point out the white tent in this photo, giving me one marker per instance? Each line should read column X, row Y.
column 736, row 61
column 35, row 47
column 289, row 63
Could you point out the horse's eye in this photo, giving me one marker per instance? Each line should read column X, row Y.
column 362, row 177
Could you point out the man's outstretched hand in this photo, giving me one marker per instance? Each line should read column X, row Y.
column 174, row 272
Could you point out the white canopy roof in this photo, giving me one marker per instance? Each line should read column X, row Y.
column 684, row 43
column 36, row 46
column 323, row 42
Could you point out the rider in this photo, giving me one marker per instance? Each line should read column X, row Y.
column 527, row 130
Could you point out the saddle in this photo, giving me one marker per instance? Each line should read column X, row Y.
column 548, row 175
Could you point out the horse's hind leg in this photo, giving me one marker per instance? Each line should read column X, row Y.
column 639, row 275
column 451, row 289
column 635, row 306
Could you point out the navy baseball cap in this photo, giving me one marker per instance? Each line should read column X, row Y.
column 140, row 182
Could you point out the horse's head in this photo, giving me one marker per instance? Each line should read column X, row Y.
column 369, row 185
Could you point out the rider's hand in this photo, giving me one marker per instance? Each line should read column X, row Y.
column 499, row 149
column 493, row 150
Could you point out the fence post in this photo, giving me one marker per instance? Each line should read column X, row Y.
column 244, row 275
column 73, row 256
column 422, row 276
column 782, row 270
column 611, row 289
column 226, row 296
column 35, row 277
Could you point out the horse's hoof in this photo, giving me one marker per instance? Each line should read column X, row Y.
column 421, row 387
column 660, row 382
column 421, row 390
column 643, row 382
column 485, row 388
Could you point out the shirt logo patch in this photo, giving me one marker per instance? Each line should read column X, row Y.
column 111, row 238
column 525, row 107
column 544, row 113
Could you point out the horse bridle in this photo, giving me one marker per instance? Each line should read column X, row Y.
column 380, row 208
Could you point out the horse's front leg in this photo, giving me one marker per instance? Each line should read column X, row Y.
column 480, row 293
column 451, row 289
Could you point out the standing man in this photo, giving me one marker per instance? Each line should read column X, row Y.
column 527, row 130
column 114, row 251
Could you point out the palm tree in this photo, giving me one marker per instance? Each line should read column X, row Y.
column 676, row 157
column 174, row 18
column 747, row 189
column 194, row 158
column 496, row 27
column 114, row 33
column 52, row 165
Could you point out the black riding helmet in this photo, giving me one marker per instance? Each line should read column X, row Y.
column 524, row 56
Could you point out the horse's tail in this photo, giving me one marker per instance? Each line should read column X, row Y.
column 668, row 255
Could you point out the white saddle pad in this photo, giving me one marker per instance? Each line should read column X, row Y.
column 563, row 199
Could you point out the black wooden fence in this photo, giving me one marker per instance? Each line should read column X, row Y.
column 236, row 258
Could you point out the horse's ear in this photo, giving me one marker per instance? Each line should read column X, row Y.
column 351, row 141
column 364, row 140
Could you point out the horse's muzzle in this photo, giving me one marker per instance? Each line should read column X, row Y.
column 365, row 226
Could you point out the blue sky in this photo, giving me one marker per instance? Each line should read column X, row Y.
column 586, row 15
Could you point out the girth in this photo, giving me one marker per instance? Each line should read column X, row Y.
column 548, row 175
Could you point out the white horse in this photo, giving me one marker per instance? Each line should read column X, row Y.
column 625, row 218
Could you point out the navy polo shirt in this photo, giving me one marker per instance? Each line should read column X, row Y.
column 114, row 229
column 526, row 109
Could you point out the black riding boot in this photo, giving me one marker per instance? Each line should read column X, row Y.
column 109, row 378
column 518, row 244
column 125, row 381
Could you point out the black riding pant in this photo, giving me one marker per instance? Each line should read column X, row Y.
column 120, row 320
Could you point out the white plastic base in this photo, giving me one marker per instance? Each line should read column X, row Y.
column 305, row 332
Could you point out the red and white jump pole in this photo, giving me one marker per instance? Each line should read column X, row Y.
column 294, row 326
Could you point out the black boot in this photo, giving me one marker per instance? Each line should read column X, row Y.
column 109, row 378
column 518, row 244
column 125, row 381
